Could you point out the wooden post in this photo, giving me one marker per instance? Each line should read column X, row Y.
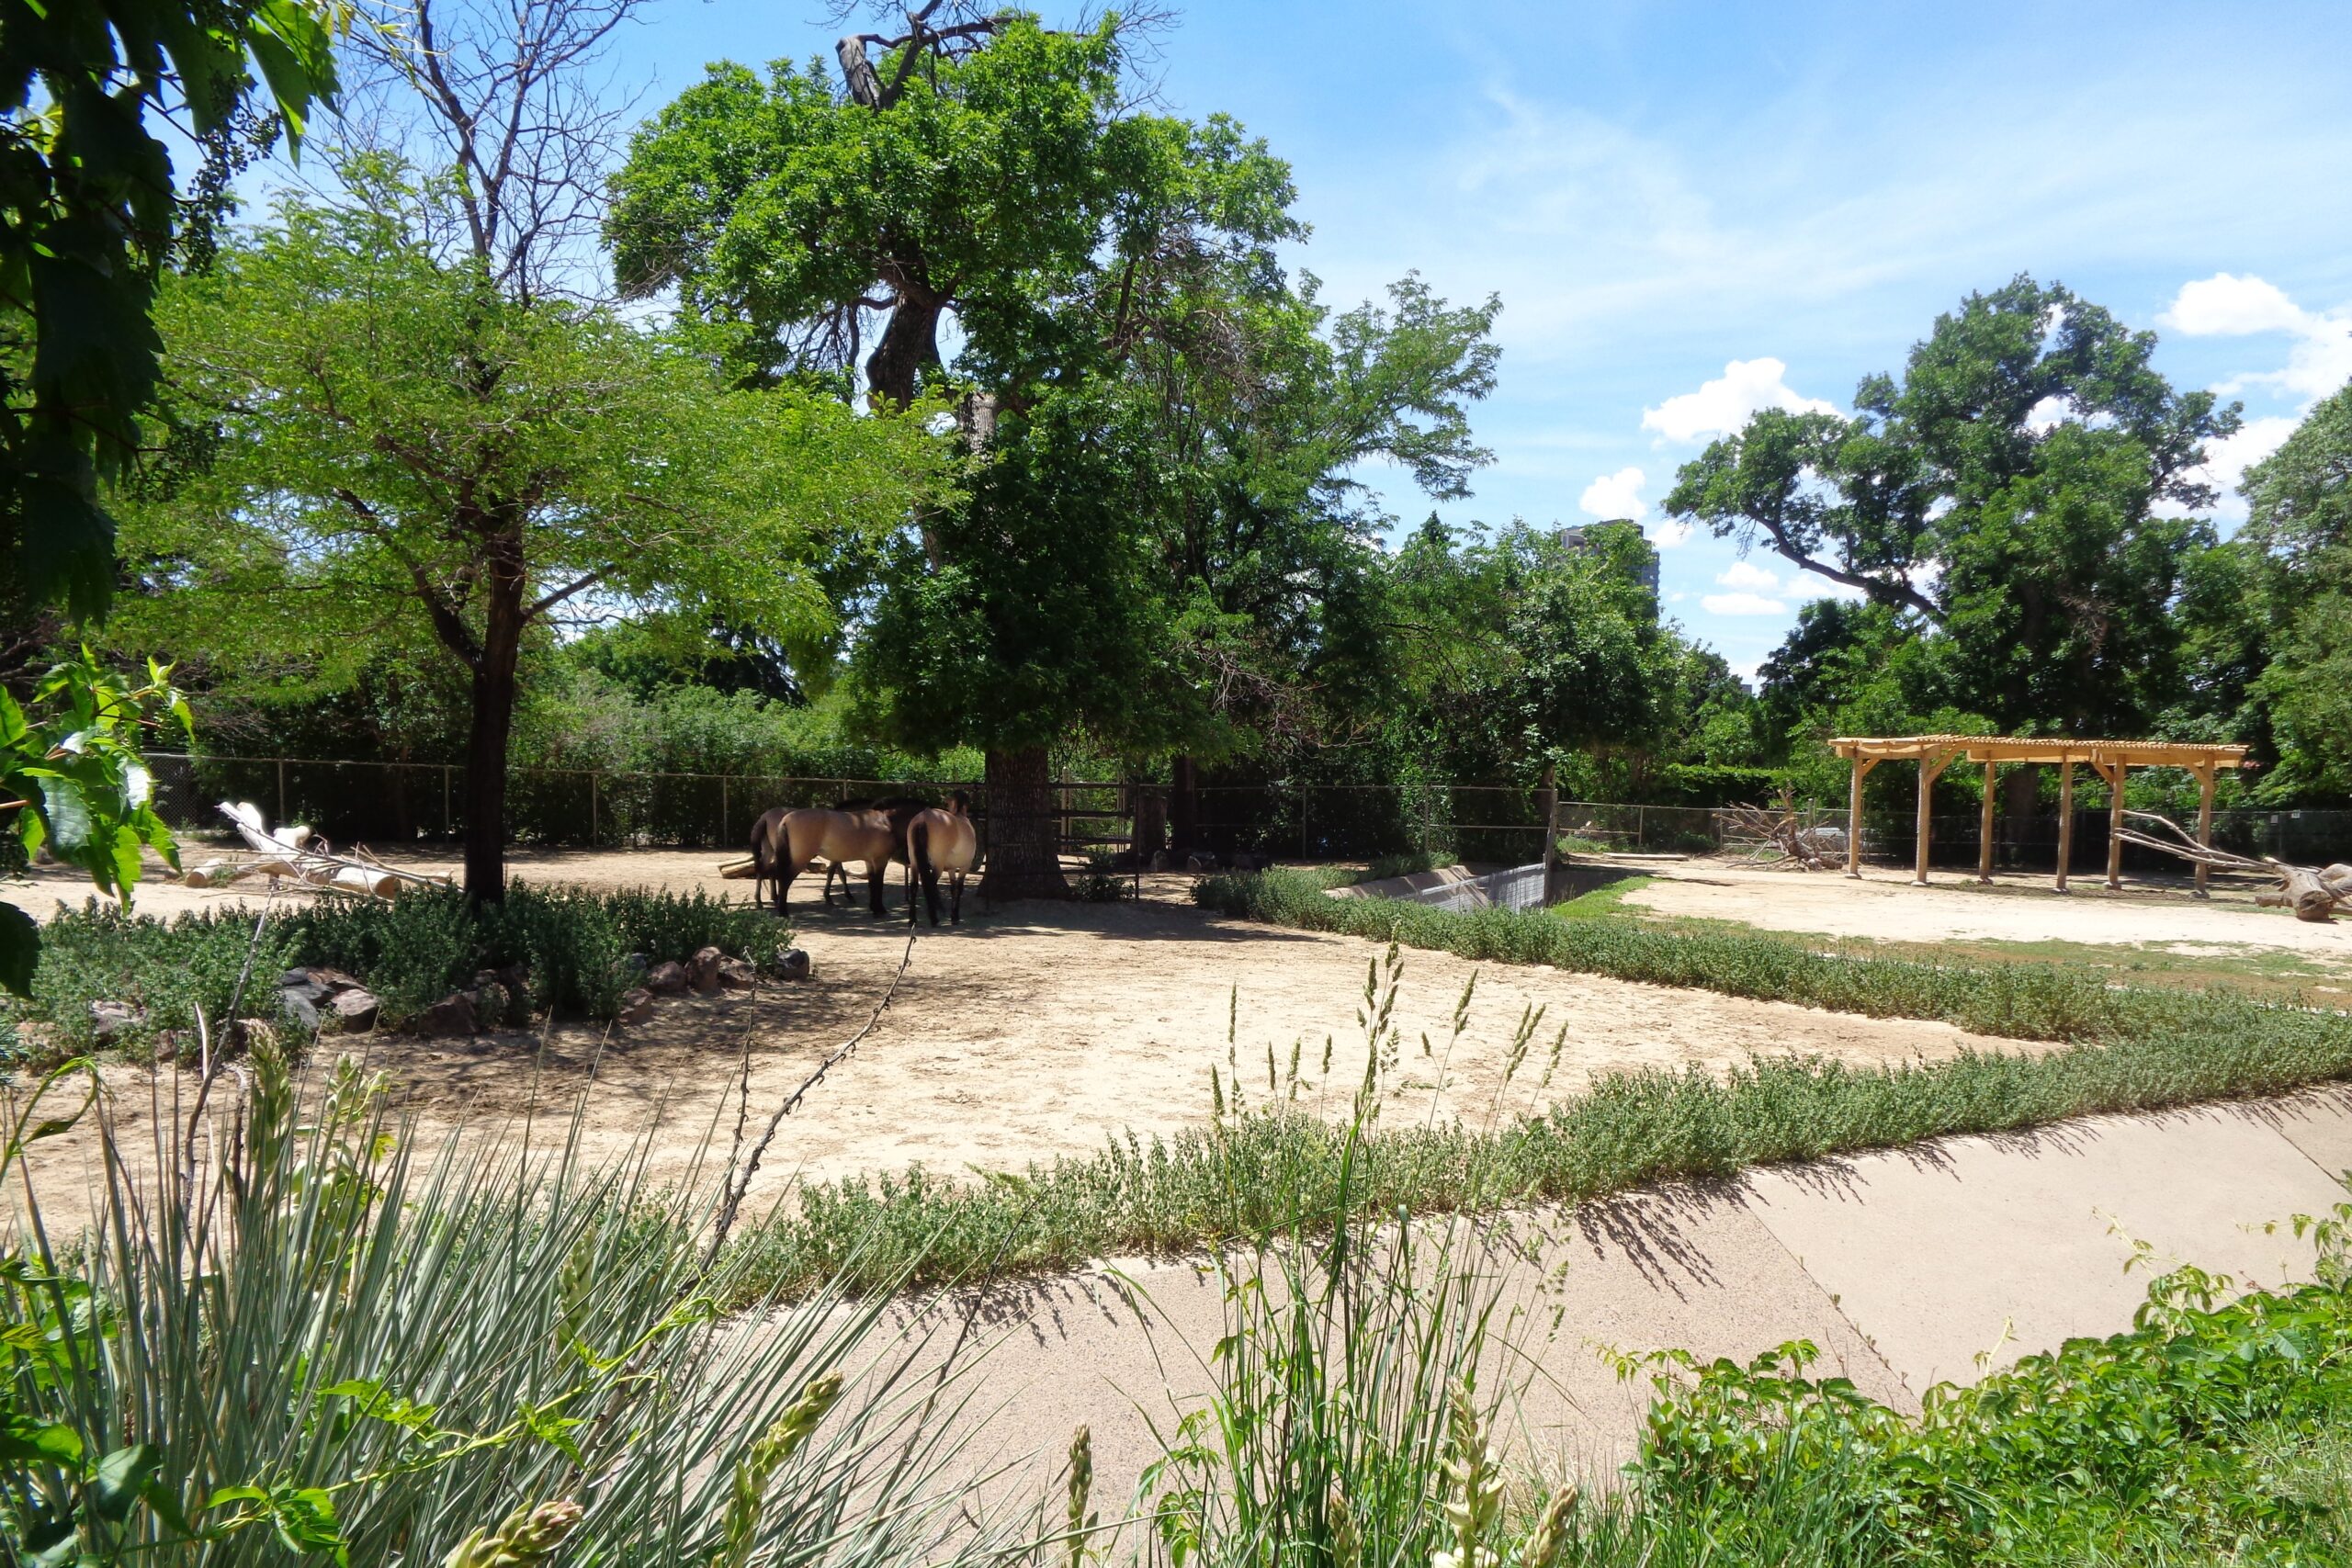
column 1550, row 798
column 1985, row 830
column 2066, row 821
column 722, row 808
column 2204, row 823
column 281, row 792
column 1930, row 770
column 2115, row 828
column 1862, row 766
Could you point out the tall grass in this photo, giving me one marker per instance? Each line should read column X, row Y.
column 305, row 1335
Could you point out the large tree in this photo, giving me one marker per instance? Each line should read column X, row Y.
column 405, row 449
column 987, row 173
column 2298, row 529
column 2015, row 494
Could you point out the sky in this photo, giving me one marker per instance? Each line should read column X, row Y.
column 1692, row 212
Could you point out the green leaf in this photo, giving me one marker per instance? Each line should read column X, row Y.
column 67, row 811
column 122, row 1478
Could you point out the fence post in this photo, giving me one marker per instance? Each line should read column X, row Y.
column 448, row 820
column 593, row 805
column 1641, row 834
column 722, row 808
column 281, row 792
column 1302, row 822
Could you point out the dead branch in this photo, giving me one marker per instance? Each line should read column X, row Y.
column 2313, row 892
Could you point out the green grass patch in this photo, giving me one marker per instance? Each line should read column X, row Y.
column 1602, row 903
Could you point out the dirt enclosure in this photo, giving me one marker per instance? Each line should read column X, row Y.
column 1037, row 1029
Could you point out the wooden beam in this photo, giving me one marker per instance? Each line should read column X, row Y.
column 2204, row 824
column 1984, row 829
column 2114, row 772
column 2066, row 821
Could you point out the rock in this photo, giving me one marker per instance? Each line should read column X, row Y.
column 666, row 978
column 453, row 1014
column 1161, row 859
column 1200, row 861
column 355, row 1008
column 110, row 1019
column 491, row 1003
column 300, row 1003
column 737, row 976
column 631, row 964
column 637, row 1006
column 702, row 970
column 794, row 963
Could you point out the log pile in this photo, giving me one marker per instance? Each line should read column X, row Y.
column 296, row 854
column 2313, row 892
column 1783, row 833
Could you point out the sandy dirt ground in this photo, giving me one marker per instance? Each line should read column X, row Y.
column 1044, row 1029
column 1886, row 906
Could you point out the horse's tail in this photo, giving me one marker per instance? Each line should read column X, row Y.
column 919, row 846
column 760, row 877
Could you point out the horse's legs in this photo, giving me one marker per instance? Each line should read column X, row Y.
column 956, row 898
column 876, row 877
column 784, row 875
column 931, row 892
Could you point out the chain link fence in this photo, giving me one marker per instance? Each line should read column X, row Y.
column 389, row 803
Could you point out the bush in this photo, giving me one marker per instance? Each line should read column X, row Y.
column 410, row 952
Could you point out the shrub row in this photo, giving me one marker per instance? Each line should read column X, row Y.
column 410, row 952
column 2016, row 1001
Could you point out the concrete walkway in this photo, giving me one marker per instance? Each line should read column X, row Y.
column 1906, row 1269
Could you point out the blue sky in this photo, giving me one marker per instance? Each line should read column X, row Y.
column 1693, row 210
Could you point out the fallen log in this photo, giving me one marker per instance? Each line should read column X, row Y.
column 296, row 854
column 2310, row 892
column 738, row 869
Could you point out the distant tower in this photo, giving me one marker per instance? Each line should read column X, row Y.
column 1587, row 537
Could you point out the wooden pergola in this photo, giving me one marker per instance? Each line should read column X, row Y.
column 2109, row 759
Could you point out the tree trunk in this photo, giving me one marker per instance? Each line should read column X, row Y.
column 909, row 343
column 1184, row 808
column 494, row 720
column 1024, row 861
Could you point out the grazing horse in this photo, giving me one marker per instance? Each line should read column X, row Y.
column 784, row 841
column 939, row 839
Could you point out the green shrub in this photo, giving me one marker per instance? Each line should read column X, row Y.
column 410, row 952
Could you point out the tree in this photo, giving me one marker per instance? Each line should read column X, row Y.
column 2300, row 527
column 993, row 176
column 2004, row 497
column 406, row 449
column 88, row 214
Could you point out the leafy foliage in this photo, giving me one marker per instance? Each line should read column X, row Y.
column 78, row 786
column 87, row 215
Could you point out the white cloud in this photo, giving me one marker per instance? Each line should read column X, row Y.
column 1746, row 387
column 1665, row 533
column 1743, row 604
column 1616, row 495
column 2227, row 460
column 1743, row 575
column 2225, row 305
column 2049, row 414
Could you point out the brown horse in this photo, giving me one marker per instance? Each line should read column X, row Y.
column 784, row 841
column 939, row 839
column 896, row 809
